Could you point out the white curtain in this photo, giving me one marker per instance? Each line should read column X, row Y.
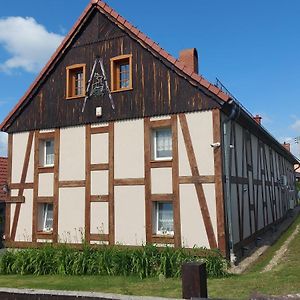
column 165, row 217
column 49, row 152
column 164, row 142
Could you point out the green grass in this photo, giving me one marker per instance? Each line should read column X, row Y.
column 283, row 279
column 115, row 284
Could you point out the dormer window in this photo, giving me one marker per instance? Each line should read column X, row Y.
column 75, row 81
column 121, row 73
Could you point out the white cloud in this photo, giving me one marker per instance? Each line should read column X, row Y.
column 296, row 126
column 3, row 144
column 28, row 43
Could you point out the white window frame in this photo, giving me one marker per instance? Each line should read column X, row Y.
column 156, row 211
column 45, row 153
column 45, row 212
column 154, row 139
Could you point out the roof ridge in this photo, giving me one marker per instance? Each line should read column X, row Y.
column 157, row 48
column 199, row 79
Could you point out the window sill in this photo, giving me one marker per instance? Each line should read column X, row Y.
column 122, row 90
column 45, row 232
column 161, row 163
column 163, row 159
column 44, row 235
column 46, row 169
column 163, row 235
column 75, row 97
column 163, row 239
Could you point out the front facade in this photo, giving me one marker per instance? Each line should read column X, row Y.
column 148, row 165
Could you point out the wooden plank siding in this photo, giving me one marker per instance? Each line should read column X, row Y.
column 151, row 93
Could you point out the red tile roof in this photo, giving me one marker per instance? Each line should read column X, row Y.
column 3, row 176
column 135, row 33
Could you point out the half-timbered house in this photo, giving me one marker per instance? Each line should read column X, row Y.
column 168, row 159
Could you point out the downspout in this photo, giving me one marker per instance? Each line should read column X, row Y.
column 235, row 110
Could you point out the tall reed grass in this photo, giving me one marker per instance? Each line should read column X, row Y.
column 146, row 261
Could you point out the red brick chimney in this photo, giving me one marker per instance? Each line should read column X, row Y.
column 287, row 146
column 189, row 57
column 257, row 119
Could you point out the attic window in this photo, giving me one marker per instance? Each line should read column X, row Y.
column 121, row 73
column 75, row 81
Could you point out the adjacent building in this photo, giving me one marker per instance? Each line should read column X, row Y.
column 3, row 192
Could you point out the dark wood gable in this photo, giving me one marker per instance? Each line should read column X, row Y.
column 157, row 88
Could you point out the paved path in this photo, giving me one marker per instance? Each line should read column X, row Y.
column 267, row 240
column 280, row 252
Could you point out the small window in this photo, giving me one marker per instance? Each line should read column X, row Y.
column 162, row 143
column 121, row 73
column 163, row 223
column 76, row 81
column 45, row 215
column 47, row 153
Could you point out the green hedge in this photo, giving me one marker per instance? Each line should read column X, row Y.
column 146, row 261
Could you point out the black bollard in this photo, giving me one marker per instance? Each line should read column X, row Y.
column 194, row 280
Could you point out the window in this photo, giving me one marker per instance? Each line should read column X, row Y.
column 162, row 143
column 163, row 218
column 47, row 153
column 45, row 217
column 75, row 81
column 121, row 73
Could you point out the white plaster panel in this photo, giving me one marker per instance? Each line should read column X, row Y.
column 14, row 192
column 130, row 215
column 18, row 154
column 210, row 196
column 71, row 215
column 161, row 181
column 129, row 149
column 99, row 148
column 97, row 125
column 46, row 184
column 72, row 153
column 24, row 228
column 201, row 130
column 47, row 130
column 239, row 148
column 184, row 166
column 30, row 171
column 247, row 228
column 99, row 182
column 158, row 118
column 193, row 231
column 254, row 154
column 12, row 213
column 235, row 214
column 99, row 218
column 260, row 207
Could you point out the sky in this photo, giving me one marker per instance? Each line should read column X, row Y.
column 253, row 47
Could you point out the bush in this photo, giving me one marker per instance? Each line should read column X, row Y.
column 146, row 261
